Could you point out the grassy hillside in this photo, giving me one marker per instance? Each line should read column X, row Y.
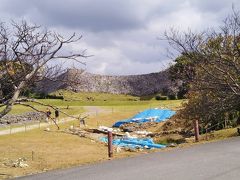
column 85, row 96
column 76, row 107
column 91, row 96
column 73, row 102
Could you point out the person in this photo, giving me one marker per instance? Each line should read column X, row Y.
column 48, row 114
column 56, row 114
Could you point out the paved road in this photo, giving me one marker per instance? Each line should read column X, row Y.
column 212, row 161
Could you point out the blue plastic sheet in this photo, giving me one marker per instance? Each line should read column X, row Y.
column 134, row 143
column 156, row 115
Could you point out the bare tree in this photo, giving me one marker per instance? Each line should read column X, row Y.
column 28, row 54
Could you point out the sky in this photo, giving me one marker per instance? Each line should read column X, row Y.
column 122, row 35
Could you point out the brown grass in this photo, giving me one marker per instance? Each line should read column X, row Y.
column 55, row 149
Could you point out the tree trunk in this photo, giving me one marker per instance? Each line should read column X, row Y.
column 14, row 98
column 17, row 92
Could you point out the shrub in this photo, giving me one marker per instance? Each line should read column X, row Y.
column 44, row 96
column 172, row 97
column 159, row 97
column 54, row 97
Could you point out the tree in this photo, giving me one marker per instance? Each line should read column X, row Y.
column 215, row 55
column 27, row 55
column 182, row 73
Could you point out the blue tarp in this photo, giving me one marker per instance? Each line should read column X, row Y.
column 134, row 143
column 156, row 115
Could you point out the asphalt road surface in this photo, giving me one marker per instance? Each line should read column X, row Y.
column 212, row 161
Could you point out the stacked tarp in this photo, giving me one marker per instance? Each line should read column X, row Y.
column 155, row 115
column 134, row 143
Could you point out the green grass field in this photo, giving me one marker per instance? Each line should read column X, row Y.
column 75, row 102
column 85, row 96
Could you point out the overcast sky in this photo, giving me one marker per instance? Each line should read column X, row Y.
column 121, row 34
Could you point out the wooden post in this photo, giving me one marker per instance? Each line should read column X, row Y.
column 225, row 120
column 32, row 155
column 196, row 130
column 110, row 148
column 226, row 116
column 206, row 134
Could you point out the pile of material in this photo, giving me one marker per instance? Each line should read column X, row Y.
column 149, row 115
column 134, row 143
column 19, row 163
column 133, row 134
column 105, row 130
column 132, row 127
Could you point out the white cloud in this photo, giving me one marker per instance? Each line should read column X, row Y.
column 122, row 35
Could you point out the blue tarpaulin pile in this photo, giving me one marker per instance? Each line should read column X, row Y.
column 156, row 115
column 134, row 143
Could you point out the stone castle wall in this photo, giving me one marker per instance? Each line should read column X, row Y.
column 81, row 81
column 139, row 85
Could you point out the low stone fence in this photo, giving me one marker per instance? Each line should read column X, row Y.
column 22, row 118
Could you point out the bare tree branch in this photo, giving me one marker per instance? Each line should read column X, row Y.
column 25, row 54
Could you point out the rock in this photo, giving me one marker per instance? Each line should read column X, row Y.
column 23, row 165
column 146, row 147
column 172, row 145
column 21, row 162
column 118, row 149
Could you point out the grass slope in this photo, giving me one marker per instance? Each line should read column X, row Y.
column 77, row 100
column 85, row 96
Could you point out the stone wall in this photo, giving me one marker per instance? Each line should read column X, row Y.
column 81, row 81
column 22, row 118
